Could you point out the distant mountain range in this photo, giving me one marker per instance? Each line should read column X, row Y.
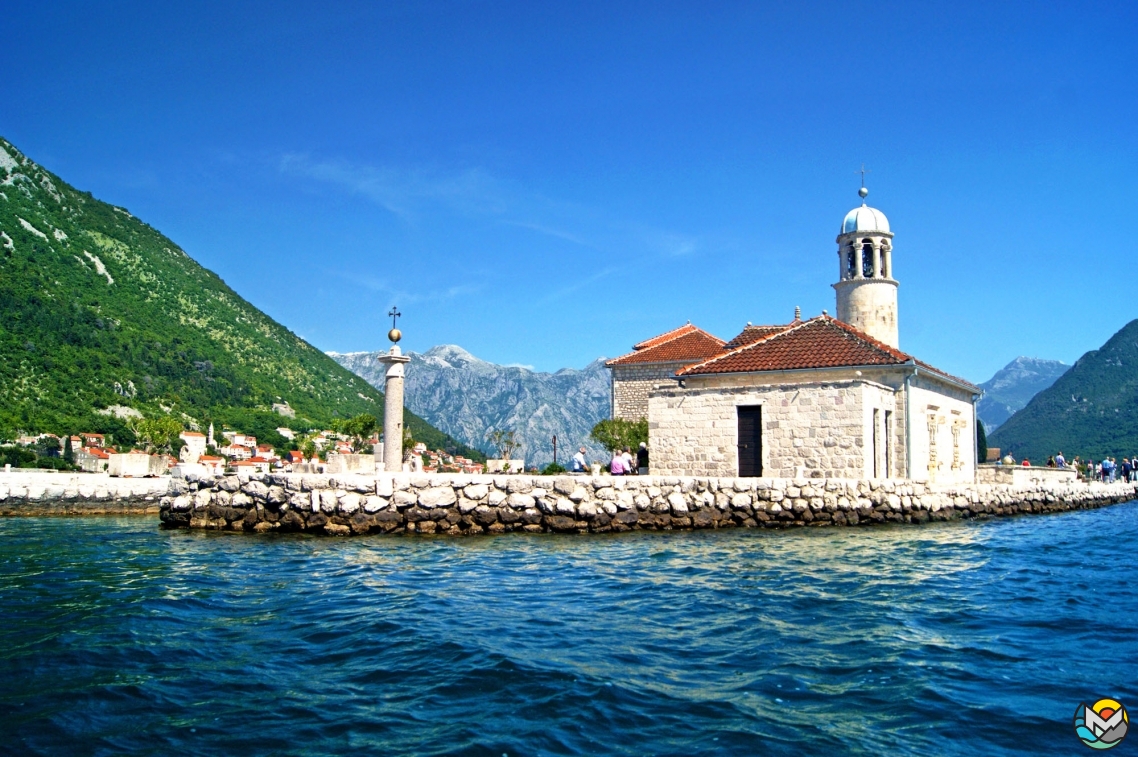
column 1013, row 386
column 103, row 318
column 469, row 398
column 1092, row 409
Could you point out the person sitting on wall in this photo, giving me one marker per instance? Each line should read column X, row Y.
column 1060, row 460
column 1051, row 462
column 1026, row 463
column 616, row 467
column 578, row 464
column 626, row 456
column 642, row 459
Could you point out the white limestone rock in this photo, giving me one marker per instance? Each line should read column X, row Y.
column 440, row 496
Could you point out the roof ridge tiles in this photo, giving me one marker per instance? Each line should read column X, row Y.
column 812, row 355
column 705, row 345
column 690, row 369
column 667, row 336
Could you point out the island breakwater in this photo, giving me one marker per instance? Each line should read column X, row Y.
column 461, row 504
column 38, row 492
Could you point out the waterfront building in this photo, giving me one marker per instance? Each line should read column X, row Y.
column 194, row 446
column 822, row 398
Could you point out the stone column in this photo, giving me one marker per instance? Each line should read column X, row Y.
column 859, row 257
column 877, row 260
column 393, row 409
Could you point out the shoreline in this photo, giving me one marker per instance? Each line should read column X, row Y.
column 41, row 493
column 457, row 504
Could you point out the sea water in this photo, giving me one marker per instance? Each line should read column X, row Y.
column 977, row 638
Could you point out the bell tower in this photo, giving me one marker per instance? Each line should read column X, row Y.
column 866, row 289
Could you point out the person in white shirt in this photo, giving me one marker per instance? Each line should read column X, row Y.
column 579, row 464
column 626, row 458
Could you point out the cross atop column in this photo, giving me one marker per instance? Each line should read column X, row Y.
column 394, row 312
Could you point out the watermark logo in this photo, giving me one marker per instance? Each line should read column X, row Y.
column 1101, row 725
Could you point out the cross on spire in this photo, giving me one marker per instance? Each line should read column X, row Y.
column 394, row 313
column 863, row 172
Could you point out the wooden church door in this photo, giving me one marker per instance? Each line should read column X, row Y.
column 750, row 440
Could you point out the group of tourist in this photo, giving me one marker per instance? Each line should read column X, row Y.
column 622, row 463
column 1109, row 470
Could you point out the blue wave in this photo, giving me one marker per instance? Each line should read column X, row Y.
column 952, row 639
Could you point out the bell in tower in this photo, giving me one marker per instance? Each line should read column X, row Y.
column 866, row 289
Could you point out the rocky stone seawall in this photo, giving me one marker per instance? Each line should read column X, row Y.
column 36, row 492
column 457, row 504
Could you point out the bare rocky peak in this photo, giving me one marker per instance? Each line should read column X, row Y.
column 470, row 398
column 1013, row 386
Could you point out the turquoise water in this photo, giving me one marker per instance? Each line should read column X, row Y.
column 959, row 639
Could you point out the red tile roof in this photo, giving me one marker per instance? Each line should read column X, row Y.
column 751, row 334
column 821, row 342
column 687, row 328
column 686, row 344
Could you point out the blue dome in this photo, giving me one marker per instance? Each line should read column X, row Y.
column 865, row 218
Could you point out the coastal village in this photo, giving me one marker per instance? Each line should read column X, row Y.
column 236, row 453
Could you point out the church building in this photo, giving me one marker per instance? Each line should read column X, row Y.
column 820, row 398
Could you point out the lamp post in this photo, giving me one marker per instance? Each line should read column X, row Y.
column 393, row 399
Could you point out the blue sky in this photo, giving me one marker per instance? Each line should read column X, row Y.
column 545, row 183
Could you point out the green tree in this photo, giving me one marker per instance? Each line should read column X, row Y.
column 981, row 443
column 359, row 428
column 68, row 452
column 48, row 447
column 156, row 433
column 506, row 442
column 618, row 433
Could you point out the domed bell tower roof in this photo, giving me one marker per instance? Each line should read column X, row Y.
column 865, row 219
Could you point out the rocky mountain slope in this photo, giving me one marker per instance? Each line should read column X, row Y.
column 469, row 398
column 102, row 316
column 1013, row 386
column 1092, row 409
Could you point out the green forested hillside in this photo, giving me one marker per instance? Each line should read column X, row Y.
column 99, row 310
column 1092, row 409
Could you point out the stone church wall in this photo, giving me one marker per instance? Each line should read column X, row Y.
column 631, row 385
column 820, row 429
column 943, row 422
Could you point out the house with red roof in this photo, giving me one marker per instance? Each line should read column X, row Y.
column 93, row 440
column 653, row 361
column 213, row 464
column 822, row 398
column 92, row 459
column 259, row 464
